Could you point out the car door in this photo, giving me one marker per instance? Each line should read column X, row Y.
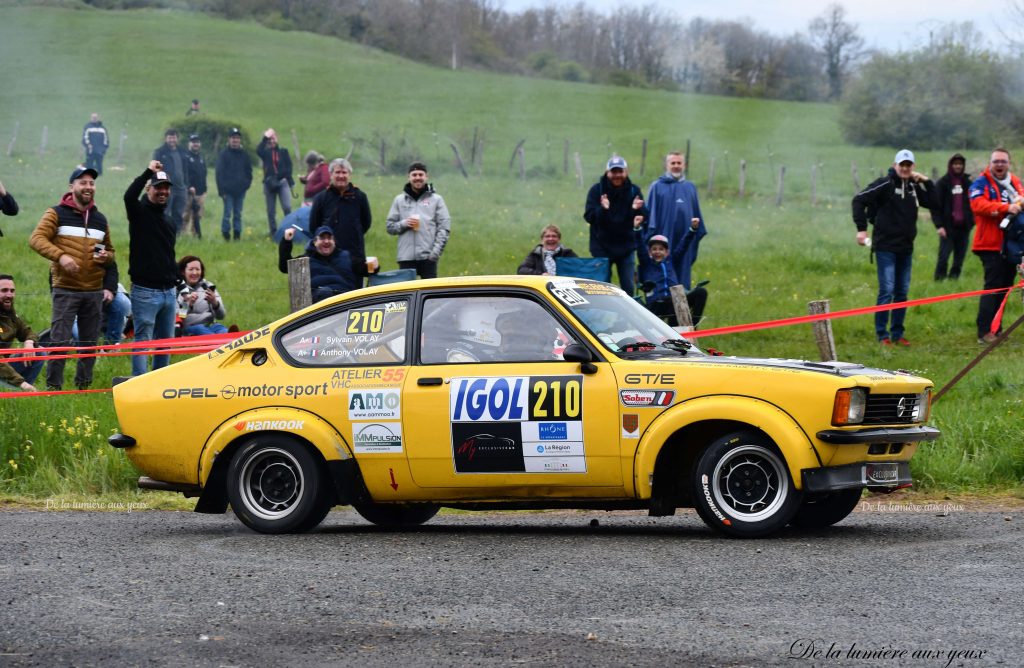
column 493, row 411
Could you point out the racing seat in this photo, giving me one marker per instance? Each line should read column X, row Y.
column 523, row 339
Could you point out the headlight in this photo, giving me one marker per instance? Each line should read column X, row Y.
column 849, row 406
column 923, row 407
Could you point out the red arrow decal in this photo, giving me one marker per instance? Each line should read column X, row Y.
column 394, row 485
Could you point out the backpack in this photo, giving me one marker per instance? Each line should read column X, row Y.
column 1013, row 238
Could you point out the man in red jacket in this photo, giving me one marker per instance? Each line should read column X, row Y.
column 995, row 195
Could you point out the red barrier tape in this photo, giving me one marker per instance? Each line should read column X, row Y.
column 18, row 395
column 177, row 346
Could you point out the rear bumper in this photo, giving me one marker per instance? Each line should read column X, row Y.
column 850, row 476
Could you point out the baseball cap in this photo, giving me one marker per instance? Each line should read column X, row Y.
column 904, row 156
column 160, row 177
column 82, row 171
column 658, row 239
column 193, row 137
column 616, row 162
column 235, row 132
column 323, row 229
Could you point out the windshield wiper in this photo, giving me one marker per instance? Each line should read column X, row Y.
column 680, row 345
column 636, row 346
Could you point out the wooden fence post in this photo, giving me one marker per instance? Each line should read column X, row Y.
column 295, row 145
column 42, row 143
column 383, row 155
column 743, row 178
column 458, row 160
column 472, row 149
column 856, row 178
column 14, row 138
column 579, row 169
column 686, row 165
column 681, row 307
column 782, row 185
column 565, row 158
column 643, row 156
column 711, row 177
column 300, row 293
column 515, row 152
column 823, row 331
column 522, row 163
column 479, row 160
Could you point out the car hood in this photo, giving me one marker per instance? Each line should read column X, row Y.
column 835, row 368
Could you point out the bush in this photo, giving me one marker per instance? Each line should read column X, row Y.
column 214, row 134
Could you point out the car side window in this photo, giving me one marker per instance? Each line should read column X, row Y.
column 489, row 328
column 368, row 334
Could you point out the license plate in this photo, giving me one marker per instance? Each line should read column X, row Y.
column 881, row 474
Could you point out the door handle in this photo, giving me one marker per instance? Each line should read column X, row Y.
column 429, row 381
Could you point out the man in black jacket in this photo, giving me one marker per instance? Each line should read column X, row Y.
column 891, row 204
column 952, row 217
column 346, row 210
column 277, row 177
column 234, row 176
column 151, row 261
column 615, row 209
column 195, row 169
column 174, row 161
column 96, row 142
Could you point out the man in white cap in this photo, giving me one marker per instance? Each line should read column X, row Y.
column 615, row 210
column 890, row 204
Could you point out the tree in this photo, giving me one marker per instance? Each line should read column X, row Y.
column 839, row 44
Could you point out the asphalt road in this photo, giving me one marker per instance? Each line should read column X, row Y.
column 165, row 588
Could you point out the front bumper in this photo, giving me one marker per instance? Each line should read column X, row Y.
column 881, row 435
column 857, row 475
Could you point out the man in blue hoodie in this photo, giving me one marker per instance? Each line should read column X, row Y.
column 615, row 210
column 675, row 214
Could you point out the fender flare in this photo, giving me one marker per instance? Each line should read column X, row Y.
column 796, row 445
column 300, row 423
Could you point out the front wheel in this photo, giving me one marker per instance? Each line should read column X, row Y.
column 276, row 485
column 824, row 511
column 396, row 514
column 741, row 486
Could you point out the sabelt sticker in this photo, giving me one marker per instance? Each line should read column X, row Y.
column 647, row 398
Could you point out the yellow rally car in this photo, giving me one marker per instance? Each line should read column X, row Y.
column 513, row 392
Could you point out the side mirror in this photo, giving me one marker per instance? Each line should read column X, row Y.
column 576, row 352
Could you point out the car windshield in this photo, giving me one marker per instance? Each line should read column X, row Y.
column 620, row 322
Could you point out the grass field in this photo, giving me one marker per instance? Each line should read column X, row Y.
column 139, row 70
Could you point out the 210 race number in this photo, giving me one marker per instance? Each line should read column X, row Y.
column 367, row 321
column 556, row 397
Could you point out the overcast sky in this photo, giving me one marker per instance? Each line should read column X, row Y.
column 885, row 24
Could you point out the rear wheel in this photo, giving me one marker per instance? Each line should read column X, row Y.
column 741, row 486
column 825, row 510
column 276, row 485
column 396, row 514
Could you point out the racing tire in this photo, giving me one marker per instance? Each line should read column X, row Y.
column 396, row 514
column 828, row 509
column 741, row 486
column 277, row 485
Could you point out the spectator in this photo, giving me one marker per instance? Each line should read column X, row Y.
column 330, row 268
column 675, row 214
column 345, row 209
column 96, row 143
column 195, row 169
column 277, row 177
column 75, row 237
column 995, row 195
column 420, row 218
column 615, row 210
column 199, row 299
column 952, row 217
column 151, row 263
column 892, row 202
column 316, row 178
column 174, row 161
column 234, row 176
column 541, row 260
column 18, row 374
column 194, row 109
column 8, row 206
column 658, row 275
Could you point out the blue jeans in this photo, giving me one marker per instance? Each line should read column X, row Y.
column 271, row 193
column 199, row 330
column 153, row 312
column 232, row 215
column 625, row 267
column 893, row 286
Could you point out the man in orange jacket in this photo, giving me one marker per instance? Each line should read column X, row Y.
column 995, row 195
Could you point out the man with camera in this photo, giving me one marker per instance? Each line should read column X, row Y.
column 996, row 195
column 75, row 237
